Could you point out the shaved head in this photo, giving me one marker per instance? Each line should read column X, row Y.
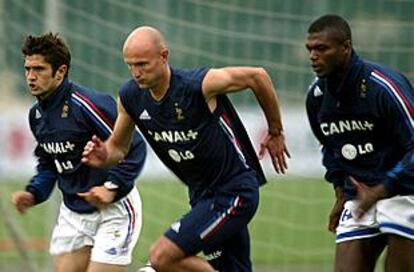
column 146, row 54
column 145, row 39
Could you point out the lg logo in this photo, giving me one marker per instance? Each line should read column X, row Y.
column 180, row 155
column 350, row 151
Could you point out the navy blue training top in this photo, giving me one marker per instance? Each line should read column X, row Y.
column 203, row 149
column 365, row 124
column 62, row 124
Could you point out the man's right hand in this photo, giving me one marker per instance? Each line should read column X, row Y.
column 22, row 200
column 95, row 153
column 99, row 196
column 337, row 209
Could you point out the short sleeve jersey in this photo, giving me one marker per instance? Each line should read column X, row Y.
column 198, row 146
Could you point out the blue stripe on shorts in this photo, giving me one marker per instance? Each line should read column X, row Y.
column 394, row 228
column 357, row 234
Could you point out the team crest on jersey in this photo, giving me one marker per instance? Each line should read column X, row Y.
column 363, row 88
column 65, row 110
column 179, row 112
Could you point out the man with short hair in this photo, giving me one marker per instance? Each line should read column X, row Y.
column 362, row 114
column 193, row 128
column 100, row 218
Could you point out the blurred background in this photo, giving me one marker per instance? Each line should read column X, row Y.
column 289, row 232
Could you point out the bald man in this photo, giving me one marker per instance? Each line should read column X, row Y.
column 191, row 125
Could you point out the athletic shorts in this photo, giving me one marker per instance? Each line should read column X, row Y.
column 393, row 215
column 112, row 232
column 217, row 225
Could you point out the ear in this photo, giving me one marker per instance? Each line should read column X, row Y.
column 61, row 71
column 164, row 54
column 347, row 45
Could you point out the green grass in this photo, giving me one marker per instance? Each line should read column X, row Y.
column 289, row 229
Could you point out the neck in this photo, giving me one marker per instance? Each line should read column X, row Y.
column 343, row 71
column 50, row 92
column 161, row 89
column 45, row 95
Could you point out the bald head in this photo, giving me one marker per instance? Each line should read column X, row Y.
column 146, row 54
column 145, row 39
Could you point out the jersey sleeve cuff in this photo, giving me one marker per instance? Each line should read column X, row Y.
column 35, row 192
column 390, row 184
column 336, row 178
column 122, row 190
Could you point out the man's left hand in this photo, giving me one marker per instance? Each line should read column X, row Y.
column 278, row 151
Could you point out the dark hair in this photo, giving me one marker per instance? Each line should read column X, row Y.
column 337, row 26
column 51, row 46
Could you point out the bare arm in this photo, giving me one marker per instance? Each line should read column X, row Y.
column 120, row 140
column 115, row 148
column 337, row 209
column 233, row 79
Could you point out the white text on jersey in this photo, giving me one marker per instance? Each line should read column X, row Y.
column 173, row 136
column 342, row 126
column 57, row 147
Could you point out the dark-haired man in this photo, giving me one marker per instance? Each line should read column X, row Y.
column 100, row 216
column 362, row 113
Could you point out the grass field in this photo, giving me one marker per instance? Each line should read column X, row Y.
column 288, row 233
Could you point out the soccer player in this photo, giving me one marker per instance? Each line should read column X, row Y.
column 193, row 128
column 362, row 114
column 100, row 218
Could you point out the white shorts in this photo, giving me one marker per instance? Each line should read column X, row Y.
column 112, row 232
column 392, row 215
